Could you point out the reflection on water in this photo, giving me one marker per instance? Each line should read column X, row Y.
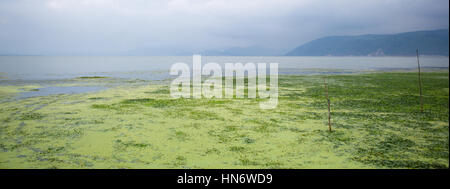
column 157, row 67
column 59, row 90
column 55, row 74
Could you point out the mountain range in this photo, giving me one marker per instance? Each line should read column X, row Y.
column 434, row 42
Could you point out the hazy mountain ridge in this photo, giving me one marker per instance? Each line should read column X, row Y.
column 242, row 51
column 434, row 42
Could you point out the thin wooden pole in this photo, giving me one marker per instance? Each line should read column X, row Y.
column 328, row 100
column 420, row 82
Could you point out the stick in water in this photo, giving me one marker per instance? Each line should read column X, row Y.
column 329, row 111
column 420, row 82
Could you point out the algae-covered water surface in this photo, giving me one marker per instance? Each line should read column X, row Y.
column 117, row 122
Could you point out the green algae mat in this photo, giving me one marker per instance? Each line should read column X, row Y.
column 375, row 117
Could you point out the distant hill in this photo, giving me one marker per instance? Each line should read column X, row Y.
column 402, row 44
column 242, row 51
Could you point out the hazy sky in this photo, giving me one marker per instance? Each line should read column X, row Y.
column 65, row 27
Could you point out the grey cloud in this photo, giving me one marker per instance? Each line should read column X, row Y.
column 183, row 26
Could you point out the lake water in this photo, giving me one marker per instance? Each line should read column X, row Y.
column 52, row 90
column 157, row 67
column 51, row 73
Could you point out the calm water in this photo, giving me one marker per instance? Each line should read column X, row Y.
column 156, row 67
column 50, row 72
column 52, row 90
